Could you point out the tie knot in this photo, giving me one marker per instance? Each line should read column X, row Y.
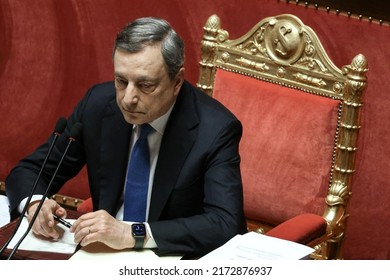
column 145, row 130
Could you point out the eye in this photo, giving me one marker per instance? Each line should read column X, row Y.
column 120, row 83
column 146, row 87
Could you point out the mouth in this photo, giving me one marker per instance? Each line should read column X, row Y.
column 132, row 111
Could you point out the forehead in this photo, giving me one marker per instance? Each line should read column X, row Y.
column 147, row 62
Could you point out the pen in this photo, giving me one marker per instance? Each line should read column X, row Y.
column 62, row 221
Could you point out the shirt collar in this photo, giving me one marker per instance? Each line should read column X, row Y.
column 160, row 123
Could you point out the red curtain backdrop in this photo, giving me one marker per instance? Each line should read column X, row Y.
column 51, row 51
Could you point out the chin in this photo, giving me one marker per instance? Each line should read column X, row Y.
column 134, row 120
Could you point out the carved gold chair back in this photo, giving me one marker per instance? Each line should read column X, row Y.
column 300, row 115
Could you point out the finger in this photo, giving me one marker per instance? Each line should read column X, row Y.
column 36, row 229
column 49, row 230
column 50, row 208
column 46, row 228
column 83, row 236
column 39, row 230
column 45, row 221
column 83, row 221
column 32, row 209
column 91, row 237
column 61, row 212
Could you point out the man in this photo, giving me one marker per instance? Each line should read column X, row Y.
column 194, row 197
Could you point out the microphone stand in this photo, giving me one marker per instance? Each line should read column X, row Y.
column 59, row 128
column 76, row 129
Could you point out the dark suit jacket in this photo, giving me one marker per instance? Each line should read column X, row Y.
column 196, row 202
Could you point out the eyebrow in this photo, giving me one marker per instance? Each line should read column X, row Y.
column 119, row 75
column 140, row 78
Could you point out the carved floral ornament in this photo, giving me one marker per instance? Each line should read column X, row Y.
column 285, row 41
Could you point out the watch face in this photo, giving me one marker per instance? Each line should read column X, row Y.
column 138, row 229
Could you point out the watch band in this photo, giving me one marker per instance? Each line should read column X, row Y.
column 139, row 233
column 139, row 242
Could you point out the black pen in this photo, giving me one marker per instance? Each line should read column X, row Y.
column 62, row 221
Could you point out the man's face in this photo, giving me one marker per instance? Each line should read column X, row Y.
column 144, row 91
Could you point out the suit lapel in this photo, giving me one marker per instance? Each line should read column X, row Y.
column 115, row 140
column 178, row 139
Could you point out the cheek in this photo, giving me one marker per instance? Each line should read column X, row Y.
column 152, row 109
column 162, row 104
column 119, row 96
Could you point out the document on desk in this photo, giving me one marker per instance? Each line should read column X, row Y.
column 99, row 251
column 255, row 246
column 4, row 212
column 65, row 244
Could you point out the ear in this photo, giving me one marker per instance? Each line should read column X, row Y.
column 179, row 80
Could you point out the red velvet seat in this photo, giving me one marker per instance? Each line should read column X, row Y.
column 86, row 206
column 304, row 229
column 300, row 115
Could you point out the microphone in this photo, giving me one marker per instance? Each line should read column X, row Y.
column 59, row 128
column 74, row 134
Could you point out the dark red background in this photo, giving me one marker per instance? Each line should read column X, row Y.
column 51, row 51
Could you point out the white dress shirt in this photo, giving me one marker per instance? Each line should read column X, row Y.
column 154, row 141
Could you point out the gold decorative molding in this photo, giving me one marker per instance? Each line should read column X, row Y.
column 307, row 79
column 337, row 194
column 272, row 46
column 252, row 64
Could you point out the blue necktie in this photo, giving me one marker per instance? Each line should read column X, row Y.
column 137, row 180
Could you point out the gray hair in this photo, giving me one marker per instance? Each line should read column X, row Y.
column 149, row 31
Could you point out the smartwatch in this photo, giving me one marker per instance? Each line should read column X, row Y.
column 139, row 233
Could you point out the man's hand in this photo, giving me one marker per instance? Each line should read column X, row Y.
column 101, row 227
column 44, row 223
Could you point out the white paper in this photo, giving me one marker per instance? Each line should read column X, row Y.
column 4, row 212
column 96, row 251
column 65, row 244
column 255, row 246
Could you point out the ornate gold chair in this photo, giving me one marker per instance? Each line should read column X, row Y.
column 300, row 115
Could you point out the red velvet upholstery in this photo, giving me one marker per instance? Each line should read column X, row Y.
column 285, row 133
column 302, row 229
column 86, row 206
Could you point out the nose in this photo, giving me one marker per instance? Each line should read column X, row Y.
column 131, row 95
